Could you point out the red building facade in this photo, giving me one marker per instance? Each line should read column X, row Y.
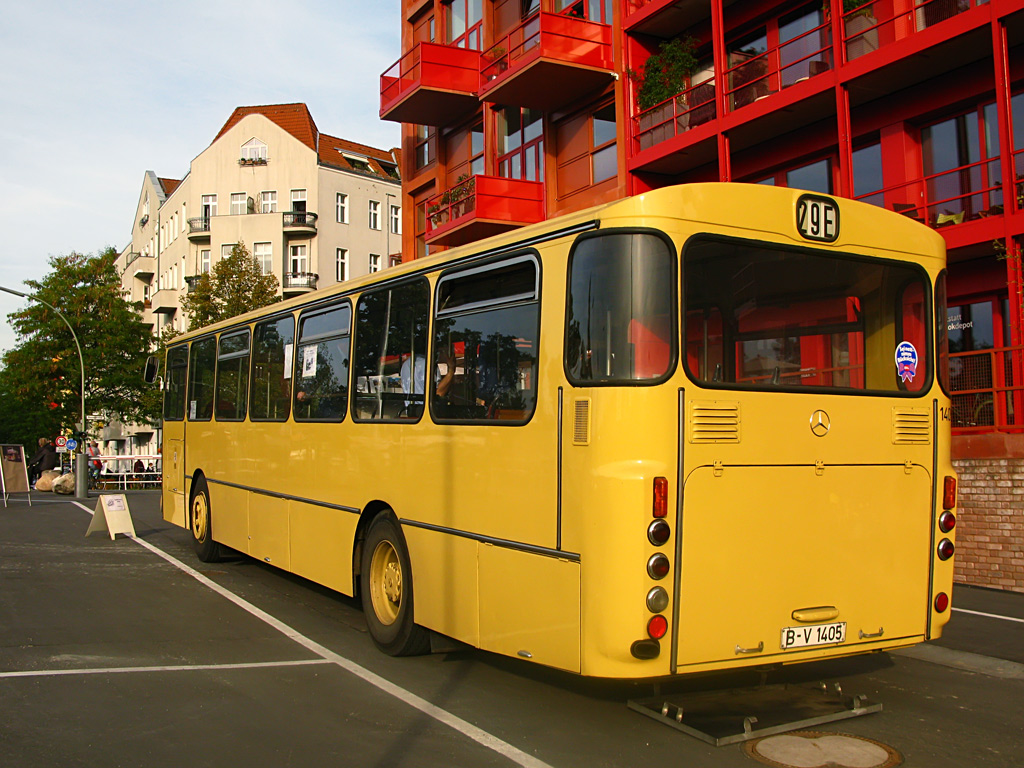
column 519, row 110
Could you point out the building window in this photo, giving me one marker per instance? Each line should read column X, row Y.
column 298, row 201
column 204, row 261
column 395, row 219
column 298, row 261
column 521, row 144
column 604, row 161
column 394, row 260
column 209, row 206
column 254, row 151
column 268, row 202
column 237, row 203
column 341, row 207
column 425, row 146
column 374, row 262
column 341, row 265
column 814, row 177
column 464, row 23
column 374, row 214
column 867, row 174
column 264, row 253
column 226, row 249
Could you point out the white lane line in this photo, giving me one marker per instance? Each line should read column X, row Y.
column 467, row 729
column 180, row 668
column 990, row 615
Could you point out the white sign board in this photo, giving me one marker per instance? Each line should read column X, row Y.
column 112, row 515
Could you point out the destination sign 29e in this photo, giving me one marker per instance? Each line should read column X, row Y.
column 817, row 218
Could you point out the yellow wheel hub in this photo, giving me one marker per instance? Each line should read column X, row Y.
column 200, row 517
column 386, row 582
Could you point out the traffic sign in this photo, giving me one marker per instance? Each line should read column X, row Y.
column 61, row 442
column 71, row 444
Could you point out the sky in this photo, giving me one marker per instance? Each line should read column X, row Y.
column 94, row 94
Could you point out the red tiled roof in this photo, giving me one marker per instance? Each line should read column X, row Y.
column 294, row 118
column 169, row 185
column 382, row 162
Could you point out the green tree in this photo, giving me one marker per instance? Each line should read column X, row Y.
column 41, row 376
column 235, row 286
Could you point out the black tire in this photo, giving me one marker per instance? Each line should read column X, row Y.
column 386, row 590
column 200, row 523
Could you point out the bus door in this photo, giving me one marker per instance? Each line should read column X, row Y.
column 173, row 448
column 806, row 514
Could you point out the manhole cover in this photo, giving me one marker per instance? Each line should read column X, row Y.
column 813, row 749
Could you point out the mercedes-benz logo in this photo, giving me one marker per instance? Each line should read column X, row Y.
column 820, row 423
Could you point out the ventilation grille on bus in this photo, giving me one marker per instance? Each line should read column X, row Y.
column 714, row 421
column 581, row 422
column 911, row 426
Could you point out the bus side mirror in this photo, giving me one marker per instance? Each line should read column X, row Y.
column 152, row 369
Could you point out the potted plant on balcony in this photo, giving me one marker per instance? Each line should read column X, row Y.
column 665, row 74
column 462, row 195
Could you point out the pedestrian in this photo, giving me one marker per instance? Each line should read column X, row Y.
column 42, row 460
column 95, row 465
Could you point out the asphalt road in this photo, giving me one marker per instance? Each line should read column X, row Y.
column 133, row 653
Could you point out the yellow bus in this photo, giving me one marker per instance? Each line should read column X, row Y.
column 702, row 428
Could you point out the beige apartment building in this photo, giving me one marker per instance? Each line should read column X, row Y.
column 314, row 209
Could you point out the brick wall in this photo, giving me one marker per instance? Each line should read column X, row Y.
column 990, row 523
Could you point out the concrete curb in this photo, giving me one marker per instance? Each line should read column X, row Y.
column 969, row 662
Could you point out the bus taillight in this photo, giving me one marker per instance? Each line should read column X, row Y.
column 660, row 497
column 657, row 627
column 941, row 602
column 657, row 600
column 949, row 492
column 657, row 566
column 945, row 549
column 658, row 532
column 947, row 521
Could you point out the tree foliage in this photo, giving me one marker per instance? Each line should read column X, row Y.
column 40, row 383
column 235, row 286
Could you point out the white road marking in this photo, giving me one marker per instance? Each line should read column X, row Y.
column 990, row 615
column 469, row 730
column 179, row 668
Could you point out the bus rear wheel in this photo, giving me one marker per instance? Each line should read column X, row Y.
column 386, row 590
column 200, row 524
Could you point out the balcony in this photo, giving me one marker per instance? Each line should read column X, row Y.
column 546, row 62
column 664, row 19
column 481, row 206
column 295, row 283
column 431, row 85
column 142, row 267
column 299, row 223
column 199, row 229
column 987, row 390
column 683, row 112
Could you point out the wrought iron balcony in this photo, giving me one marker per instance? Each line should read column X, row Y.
column 299, row 282
column 299, row 223
column 199, row 228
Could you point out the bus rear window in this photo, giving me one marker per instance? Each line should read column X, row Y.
column 620, row 309
column 766, row 317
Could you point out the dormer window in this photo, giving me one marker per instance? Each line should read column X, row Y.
column 254, row 152
column 357, row 162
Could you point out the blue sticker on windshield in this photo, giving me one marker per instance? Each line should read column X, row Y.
column 906, row 361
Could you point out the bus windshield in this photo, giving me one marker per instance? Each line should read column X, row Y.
column 762, row 316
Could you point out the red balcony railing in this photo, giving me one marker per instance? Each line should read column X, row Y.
column 789, row 63
column 881, row 22
column 694, row 106
column 428, row 83
column 479, row 206
column 944, row 199
column 580, row 49
column 987, row 389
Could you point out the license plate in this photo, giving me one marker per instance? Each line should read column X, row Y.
column 816, row 634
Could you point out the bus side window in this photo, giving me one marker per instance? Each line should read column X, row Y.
column 232, row 376
column 174, row 384
column 270, row 393
column 912, row 324
column 485, row 342
column 389, row 365
column 321, row 364
column 202, row 368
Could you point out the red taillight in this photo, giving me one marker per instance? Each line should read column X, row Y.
column 658, row 566
column 658, row 532
column 949, row 492
column 660, row 497
column 941, row 602
column 657, row 627
column 946, row 549
column 947, row 521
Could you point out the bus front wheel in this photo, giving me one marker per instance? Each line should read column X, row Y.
column 386, row 590
column 200, row 524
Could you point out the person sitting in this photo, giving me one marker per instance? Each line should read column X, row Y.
column 42, row 460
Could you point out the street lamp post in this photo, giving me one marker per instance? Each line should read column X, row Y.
column 81, row 465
